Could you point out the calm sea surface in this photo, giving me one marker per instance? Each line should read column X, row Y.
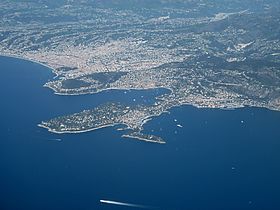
column 218, row 160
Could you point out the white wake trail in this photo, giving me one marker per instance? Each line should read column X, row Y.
column 124, row 204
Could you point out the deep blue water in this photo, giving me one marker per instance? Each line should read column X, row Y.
column 214, row 162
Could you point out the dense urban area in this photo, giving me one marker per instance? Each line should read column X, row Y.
column 205, row 55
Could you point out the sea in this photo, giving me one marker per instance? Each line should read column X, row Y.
column 216, row 159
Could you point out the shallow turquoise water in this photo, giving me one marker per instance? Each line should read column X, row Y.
column 218, row 160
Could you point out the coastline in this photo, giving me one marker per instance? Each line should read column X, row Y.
column 76, row 132
column 143, row 121
column 142, row 139
column 106, row 89
column 97, row 128
column 30, row 60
